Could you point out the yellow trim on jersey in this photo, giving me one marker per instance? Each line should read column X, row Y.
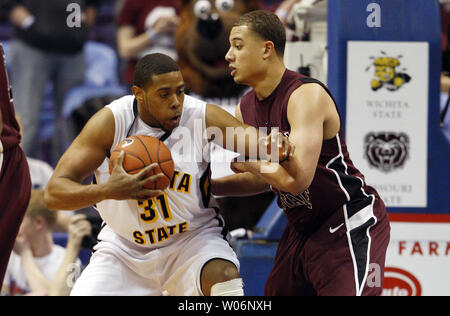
column 185, row 183
column 172, row 183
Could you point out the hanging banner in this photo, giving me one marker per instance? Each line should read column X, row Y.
column 387, row 118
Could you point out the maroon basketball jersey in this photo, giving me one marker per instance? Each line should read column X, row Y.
column 10, row 135
column 336, row 181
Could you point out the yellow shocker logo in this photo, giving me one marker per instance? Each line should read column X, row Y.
column 387, row 74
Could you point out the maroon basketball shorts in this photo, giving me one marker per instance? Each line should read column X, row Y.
column 15, row 187
column 344, row 257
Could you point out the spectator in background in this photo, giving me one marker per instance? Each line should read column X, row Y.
column 65, row 277
column 145, row 27
column 284, row 9
column 36, row 260
column 47, row 46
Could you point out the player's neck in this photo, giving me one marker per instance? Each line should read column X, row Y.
column 271, row 79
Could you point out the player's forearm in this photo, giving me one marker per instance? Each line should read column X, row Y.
column 245, row 141
column 277, row 175
column 242, row 184
column 229, row 133
column 65, row 194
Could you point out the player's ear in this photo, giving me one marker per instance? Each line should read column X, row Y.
column 269, row 49
column 138, row 93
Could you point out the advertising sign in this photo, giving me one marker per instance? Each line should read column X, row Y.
column 387, row 118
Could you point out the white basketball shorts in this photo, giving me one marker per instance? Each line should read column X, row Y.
column 120, row 268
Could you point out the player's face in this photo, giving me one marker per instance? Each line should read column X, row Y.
column 245, row 53
column 161, row 103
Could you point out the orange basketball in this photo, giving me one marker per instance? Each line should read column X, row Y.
column 141, row 151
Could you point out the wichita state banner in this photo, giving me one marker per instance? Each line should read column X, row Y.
column 387, row 118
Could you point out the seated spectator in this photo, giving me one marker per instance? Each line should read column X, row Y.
column 145, row 27
column 36, row 260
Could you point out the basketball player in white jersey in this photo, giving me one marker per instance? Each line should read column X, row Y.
column 172, row 242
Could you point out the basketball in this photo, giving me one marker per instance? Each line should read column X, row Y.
column 141, row 151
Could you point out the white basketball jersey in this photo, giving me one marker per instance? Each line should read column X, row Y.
column 187, row 204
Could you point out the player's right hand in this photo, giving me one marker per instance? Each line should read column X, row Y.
column 124, row 186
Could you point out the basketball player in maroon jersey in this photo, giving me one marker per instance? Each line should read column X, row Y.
column 338, row 231
column 15, row 182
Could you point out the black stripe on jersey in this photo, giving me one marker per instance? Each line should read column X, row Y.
column 352, row 185
column 357, row 204
column 224, row 231
column 135, row 113
column 205, row 186
column 165, row 136
column 360, row 243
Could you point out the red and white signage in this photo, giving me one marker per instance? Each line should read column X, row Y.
column 418, row 256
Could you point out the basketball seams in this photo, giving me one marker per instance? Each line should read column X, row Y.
column 143, row 144
column 162, row 170
column 133, row 155
column 149, row 157
column 160, row 162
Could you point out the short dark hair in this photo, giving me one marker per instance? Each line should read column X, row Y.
column 267, row 25
column 153, row 64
